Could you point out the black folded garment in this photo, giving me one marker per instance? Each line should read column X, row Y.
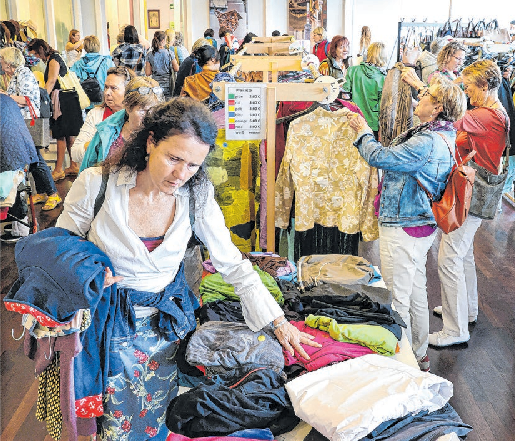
column 241, row 399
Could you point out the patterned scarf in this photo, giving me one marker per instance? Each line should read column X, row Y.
column 432, row 126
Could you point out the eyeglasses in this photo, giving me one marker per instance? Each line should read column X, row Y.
column 458, row 59
column 146, row 90
column 426, row 93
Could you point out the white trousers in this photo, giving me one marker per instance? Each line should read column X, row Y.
column 458, row 279
column 403, row 267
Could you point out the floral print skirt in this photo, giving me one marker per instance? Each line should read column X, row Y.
column 136, row 398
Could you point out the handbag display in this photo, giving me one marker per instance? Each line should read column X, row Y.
column 488, row 187
column 453, row 208
column 39, row 128
column 71, row 81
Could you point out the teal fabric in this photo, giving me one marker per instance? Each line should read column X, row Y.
column 366, row 84
column 6, row 182
column 88, row 65
column 377, row 338
column 107, row 132
column 215, row 288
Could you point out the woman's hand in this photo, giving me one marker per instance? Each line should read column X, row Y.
column 358, row 123
column 410, row 77
column 291, row 338
column 110, row 279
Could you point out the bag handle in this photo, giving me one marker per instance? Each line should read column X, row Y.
column 31, row 110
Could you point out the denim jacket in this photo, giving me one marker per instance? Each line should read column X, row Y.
column 422, row 157
column 60, row 273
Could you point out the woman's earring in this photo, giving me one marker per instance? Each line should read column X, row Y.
column 146, row 157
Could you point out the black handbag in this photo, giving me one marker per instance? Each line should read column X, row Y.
column 488, row 188
column 92, row 87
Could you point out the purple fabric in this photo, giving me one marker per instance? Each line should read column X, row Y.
column 332, row 351
column 68, row 347
column 263, row 196
column 420, row 231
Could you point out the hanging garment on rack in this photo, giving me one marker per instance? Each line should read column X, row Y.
column 396, row 114
column 333, row 185
column 319, row 239
column 233, row 168
column 427, row 64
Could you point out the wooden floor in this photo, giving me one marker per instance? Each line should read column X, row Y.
column 482, row 371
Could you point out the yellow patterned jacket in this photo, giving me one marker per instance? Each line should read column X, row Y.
column 332, row 183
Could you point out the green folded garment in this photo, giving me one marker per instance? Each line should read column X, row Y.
column 375, row 337
column 215, row 288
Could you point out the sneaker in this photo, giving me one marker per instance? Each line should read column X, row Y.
column 441, row 339
column 438, row 311
column 9, row 238
column 58, row 175
column 52, row 202
column 39, row 198
column 423, row 363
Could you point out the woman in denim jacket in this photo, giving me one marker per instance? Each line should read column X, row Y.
column 407, row 227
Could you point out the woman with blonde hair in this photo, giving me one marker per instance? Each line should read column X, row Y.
column 449, row 60
column 141, row 94
column 365, row 82
column 321, row 46
column 419, row 157
column 23, row 84
column 73, row 47
column 484, row 129
column 364, row 42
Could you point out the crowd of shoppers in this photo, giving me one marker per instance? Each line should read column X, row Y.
column 152, row 147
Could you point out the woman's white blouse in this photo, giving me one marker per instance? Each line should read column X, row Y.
column 153, row 271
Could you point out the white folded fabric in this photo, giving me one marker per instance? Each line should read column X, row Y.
column 348, row 400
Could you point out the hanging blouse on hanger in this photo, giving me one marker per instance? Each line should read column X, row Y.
column 333, row 185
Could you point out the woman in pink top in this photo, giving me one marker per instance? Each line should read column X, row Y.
column 484, row 130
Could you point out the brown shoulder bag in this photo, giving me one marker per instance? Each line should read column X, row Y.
column 452, row 209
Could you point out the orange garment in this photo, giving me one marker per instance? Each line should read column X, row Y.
column 198, row 86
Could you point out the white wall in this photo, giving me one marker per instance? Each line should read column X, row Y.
column 276, row 17
column 256, row 17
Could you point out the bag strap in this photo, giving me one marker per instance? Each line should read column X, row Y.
column 31, row 110
column 99, row 200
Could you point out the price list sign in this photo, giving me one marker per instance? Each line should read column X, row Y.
column 245, row 112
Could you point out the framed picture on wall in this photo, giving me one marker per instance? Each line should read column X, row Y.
column 154, row 21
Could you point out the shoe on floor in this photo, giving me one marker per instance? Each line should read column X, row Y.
column 39, row 198
column 423, row 363
column 72, row 170
column 438, row 311
column 441, row 339
column 9, row 238
column 58, row 175
column 51, row 203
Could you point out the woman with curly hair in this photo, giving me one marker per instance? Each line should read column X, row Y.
column 156, row 194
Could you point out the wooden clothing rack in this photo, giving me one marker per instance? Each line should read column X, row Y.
column 268, row 48
column 277, row 92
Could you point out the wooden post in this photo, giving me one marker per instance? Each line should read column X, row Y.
column 271, row 98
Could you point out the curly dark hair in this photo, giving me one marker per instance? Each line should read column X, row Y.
column 178, row 116
column 39, row 45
